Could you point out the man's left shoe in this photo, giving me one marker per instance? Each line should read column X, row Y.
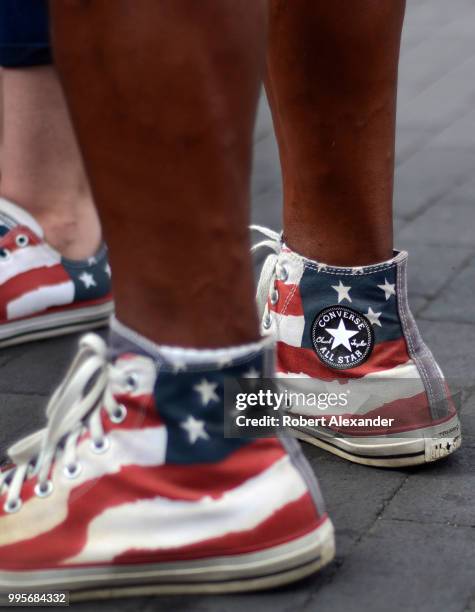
column 133, row 489
column 349, row 332
column 43, row 294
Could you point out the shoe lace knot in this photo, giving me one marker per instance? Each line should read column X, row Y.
column 74, row 409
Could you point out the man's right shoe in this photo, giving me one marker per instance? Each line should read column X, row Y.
column 43, row 294
column 132, row 488
column 349, row 331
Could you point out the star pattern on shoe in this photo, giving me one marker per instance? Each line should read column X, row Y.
column 373, row 317
column 343, row 292
column 252, row 373
column 195, row 429
column 88, row 280
column 321, row 266
column 178, row 366
column 341, row 335
column 388, row 288
column 224, row 362
column 107, row 270
column 207, row 391
column 41, row 282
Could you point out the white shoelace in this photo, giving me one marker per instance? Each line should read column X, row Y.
column 74, row 408
column 270, row 269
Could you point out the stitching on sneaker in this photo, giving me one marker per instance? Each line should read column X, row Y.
column 290, row 296
column 402, row 306
column 399, row 258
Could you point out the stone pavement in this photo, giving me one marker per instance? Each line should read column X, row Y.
column 406, row 538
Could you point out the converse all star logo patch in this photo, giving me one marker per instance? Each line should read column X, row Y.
column 342, row 337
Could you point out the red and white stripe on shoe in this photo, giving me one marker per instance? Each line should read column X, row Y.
column 132, row 488
column 41, row 293
column 350, row 330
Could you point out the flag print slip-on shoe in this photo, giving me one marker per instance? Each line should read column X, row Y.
column 132, row 488
column 41, row 293
column 349, row 332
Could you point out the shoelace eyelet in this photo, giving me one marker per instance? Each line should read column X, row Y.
column 119, row 414
column 22, row 240
column 100, row 446
column 274, row 297
column 283, row 274
column 4, row 254
column 12, row 506
column 72, row 470
column 267, row 322
column 132, row 382
column 43, row 489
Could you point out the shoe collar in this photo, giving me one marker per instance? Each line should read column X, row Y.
column 13, row 215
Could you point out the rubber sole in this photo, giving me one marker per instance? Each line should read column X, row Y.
column 55, row 324
column 422, row 446
column 265, row 569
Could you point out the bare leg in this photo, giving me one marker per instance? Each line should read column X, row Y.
column 42, row 169
column 331, row 82
column 166, row 131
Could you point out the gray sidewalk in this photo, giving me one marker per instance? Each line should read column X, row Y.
column 405, row 538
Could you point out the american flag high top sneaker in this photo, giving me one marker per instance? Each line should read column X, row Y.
column 132, row 488
column 349, row 332
column 41, row 293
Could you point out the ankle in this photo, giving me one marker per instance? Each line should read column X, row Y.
column 66, row 214
column 76, row 235
column 163, row 314
column 334, row 250
column 70, row 223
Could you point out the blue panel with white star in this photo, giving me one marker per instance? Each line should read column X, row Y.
column 192, row 407
column 91, row 277
column 373, row 295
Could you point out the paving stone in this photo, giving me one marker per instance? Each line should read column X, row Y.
column 39, row 365
column 436, row 14
column 459, row 135
column 470, row 607
column 455, row 302
column 430, row 267
column 124, row 605
column 443, row 492
column 414, row 137
column 418, row 71
column 19, row 416
column 424, row 188
column 428, row 229
column 418, row 303
column 352, row 491
column 403, row 566
column 414, row 34
column 451, row 344
column 446, row 100
column 264, row 125
column 287, row 599
column 267, row 209
column 409, row 140
column 468, row 420
column 266, row 173
column 266, row 184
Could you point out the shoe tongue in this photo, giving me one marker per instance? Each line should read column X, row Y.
column 12, row 215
